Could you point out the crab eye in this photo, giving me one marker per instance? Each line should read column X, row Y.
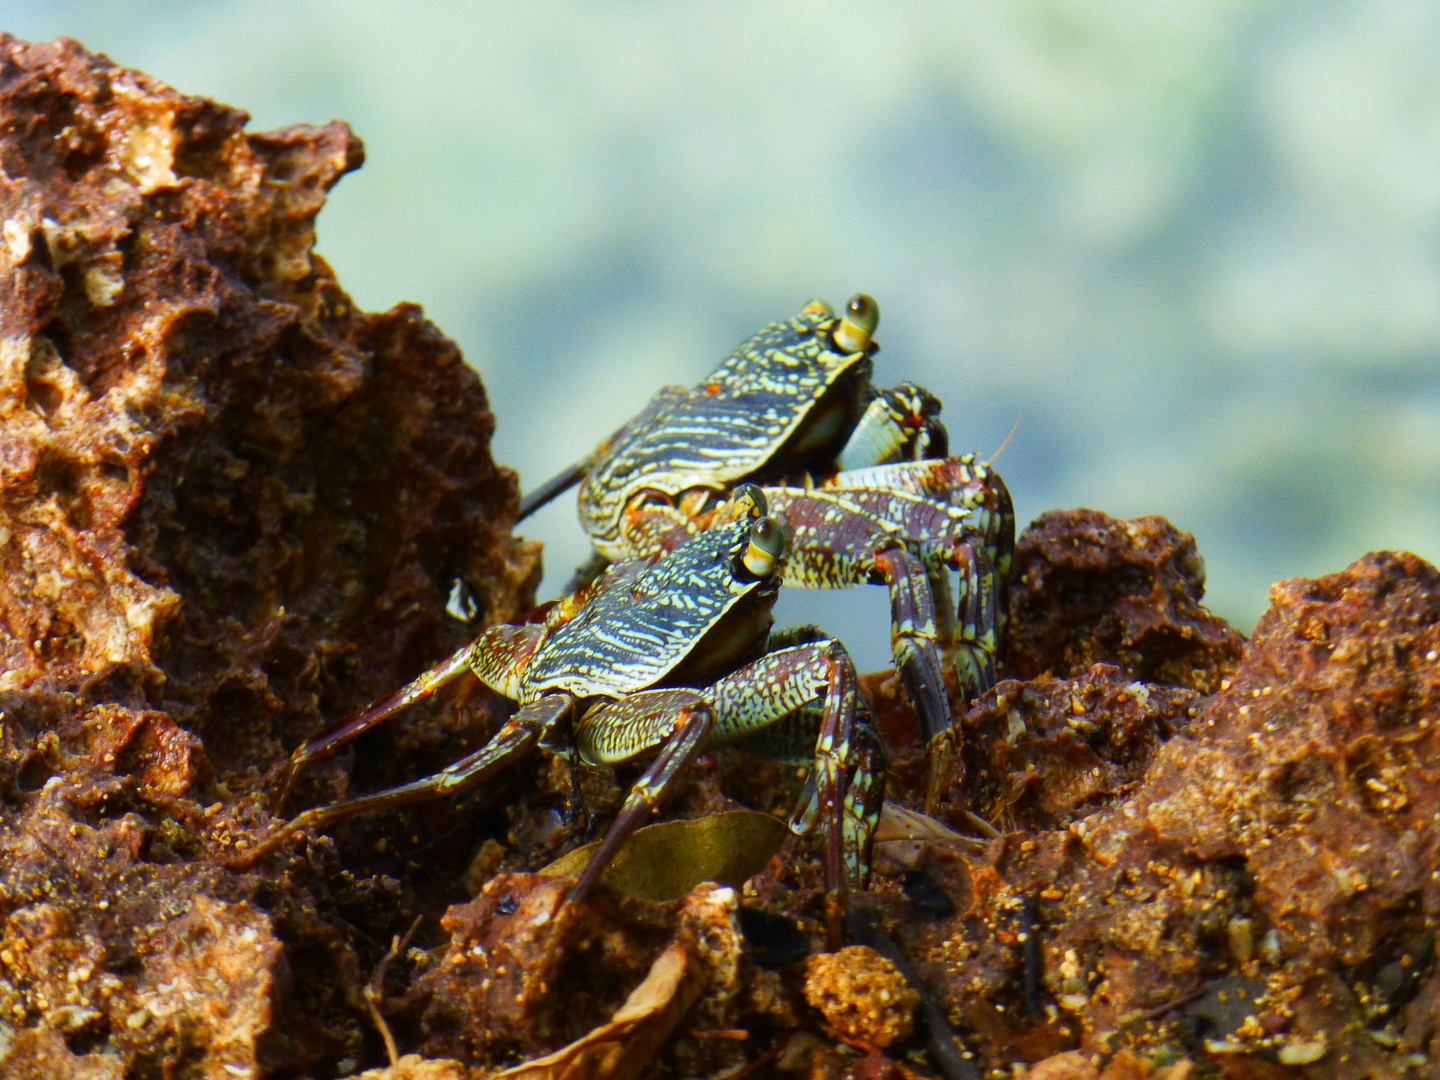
column 857, row 325
column 767, row 544
column 818, row 307
column 759, row 505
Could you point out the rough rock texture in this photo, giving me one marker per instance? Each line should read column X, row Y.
column 1090, row 588
column 524, row 974
column 1043, row 753
column 232, row 507
column 1267, row 893
column 861, row 995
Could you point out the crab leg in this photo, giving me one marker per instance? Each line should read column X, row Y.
column 622, row 729
column 574, row 474
column 961, row 482
column 981, row 551
column 558, row 484
column 980, row 622
column 908, row 542
column 512, row 741
column 776, row 685
column 743, row 707
column 913, row 639
column 864, row 796
column 429, row 682
column 903, row 525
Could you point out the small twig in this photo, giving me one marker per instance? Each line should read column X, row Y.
column 375, row 992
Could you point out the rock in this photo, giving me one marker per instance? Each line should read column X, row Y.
column 234, row 506
column 234, row 509
column 1088, row 588
column 525, row 973
column 1044, row 753
column 1299, row 801
column 861, row 995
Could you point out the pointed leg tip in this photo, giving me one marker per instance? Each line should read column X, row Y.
column 282, row 795
column 939, row 769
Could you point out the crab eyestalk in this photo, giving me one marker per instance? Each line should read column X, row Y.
column 759, row 505
column 857, row 326
column 765, row 547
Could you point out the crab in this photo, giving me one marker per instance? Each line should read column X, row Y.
column 665, row 658
column 863, row 476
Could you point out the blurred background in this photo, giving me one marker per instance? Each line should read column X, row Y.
column 1188, row 251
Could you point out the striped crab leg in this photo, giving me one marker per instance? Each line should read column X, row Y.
column 740, row 709
column 516, row 739
column 909, row 542
column 500, row 646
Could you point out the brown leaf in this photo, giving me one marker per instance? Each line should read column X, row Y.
column 622, row 1048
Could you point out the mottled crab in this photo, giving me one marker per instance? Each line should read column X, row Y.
column 862, row 475
column 661, row 658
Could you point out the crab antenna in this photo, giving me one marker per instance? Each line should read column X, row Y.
column 1000, row 449
column 556, row 485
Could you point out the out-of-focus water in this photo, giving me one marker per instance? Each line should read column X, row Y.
column 1189, row 248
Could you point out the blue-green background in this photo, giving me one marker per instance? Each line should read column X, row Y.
column 1189, row 247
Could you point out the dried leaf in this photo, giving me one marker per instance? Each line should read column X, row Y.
column 902, row 835
column 621, row 1049
column 663, row 861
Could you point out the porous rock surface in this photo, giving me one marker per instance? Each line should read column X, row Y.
column 233, row 506
column 1088, row 588
column 861, row 995
column 1265, row 896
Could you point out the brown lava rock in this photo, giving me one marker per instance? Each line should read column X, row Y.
column 861, row 995
column 525, row 973
column 1090, row 588
column 1043, row 753
column 489, row 997
column 1286, row 842
column 230, row 505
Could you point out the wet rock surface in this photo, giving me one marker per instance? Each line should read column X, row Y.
column 232, row 506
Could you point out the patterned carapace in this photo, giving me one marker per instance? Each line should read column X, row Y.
column 861, row 474
column 784, row 397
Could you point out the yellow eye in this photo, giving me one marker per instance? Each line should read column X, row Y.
column 817, row 307
column 857, row 325
column 767, row 545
